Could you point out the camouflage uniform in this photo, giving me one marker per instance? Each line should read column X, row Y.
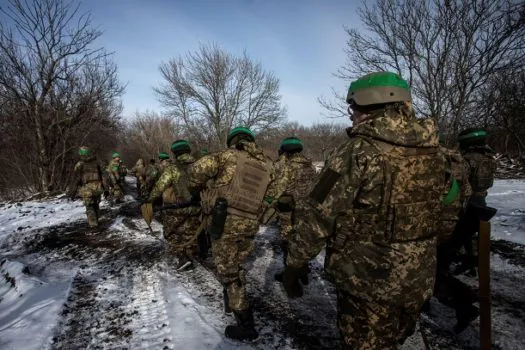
column 90, row 181
column 115, row 180
column 448, row 289
column 217, row 173
column 179, row 225
column 292, row 177
column 151, row 175
column 139, row 171
column 482, row 169
column 458, row 170
column 375, row 208
column 482, row 166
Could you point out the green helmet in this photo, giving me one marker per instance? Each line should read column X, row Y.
column 472, row 136
column 291, row 145
column 378, row 88
column 84, row 151
column 245, row 132
column 163, row 155
column 115, row 155
column 180, row 146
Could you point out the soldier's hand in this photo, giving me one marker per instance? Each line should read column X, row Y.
column 291, row 277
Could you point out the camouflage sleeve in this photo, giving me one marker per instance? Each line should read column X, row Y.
column 300, row 182
column 164, row 181
column 277, row 184
column 202, row 170
column 349, row 168
column 467, row 188
column 471, row 161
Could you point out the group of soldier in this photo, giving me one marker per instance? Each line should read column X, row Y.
column 390, row 206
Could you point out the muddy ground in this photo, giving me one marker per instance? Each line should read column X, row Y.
column 118, row 295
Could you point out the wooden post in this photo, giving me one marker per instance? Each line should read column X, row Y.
column 485, row 327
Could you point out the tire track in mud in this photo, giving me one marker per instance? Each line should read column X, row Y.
column 94, row 316
column 149, row 310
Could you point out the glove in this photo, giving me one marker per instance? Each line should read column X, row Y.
column 291, row 277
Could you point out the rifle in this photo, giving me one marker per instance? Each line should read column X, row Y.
column 179, row 205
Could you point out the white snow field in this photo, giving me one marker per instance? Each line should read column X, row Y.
column 65, row 287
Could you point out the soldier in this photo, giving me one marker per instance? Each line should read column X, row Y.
column 480, row 158
column 293, row 173
column 139, row 171
column 179, row 225
column 375, row 207
column 115, row 180
column 90, row 184
column 240, row 175
column 448, row 289
column 164, row 161
column 152, row 174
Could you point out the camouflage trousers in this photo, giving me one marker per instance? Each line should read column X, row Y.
column 91, row 194
column 285, row 220
column 368, row 325
column 229, row 253
column 117, row 192
column 180, row 227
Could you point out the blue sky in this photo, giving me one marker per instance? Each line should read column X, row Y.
column 301, row 41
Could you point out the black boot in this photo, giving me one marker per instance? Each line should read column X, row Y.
column 226, row 299
column 465, row 315
column 245, row 328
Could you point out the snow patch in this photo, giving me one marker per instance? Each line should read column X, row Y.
column 28, row 306
column 509, row 222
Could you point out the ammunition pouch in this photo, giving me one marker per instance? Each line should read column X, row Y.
column 218, row 218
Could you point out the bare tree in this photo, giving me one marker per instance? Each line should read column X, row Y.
column 502, row 103
column 149, row 133
column 58, row 91
column 446, row 49
column 318, row 139
column 210, row 91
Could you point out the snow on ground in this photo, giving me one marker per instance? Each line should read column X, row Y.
column 29, row 307
column 17, row 217
column 508, row 196
column 117, row 288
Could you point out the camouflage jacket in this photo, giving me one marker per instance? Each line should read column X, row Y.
column 482, row 168
column 139, row 170
column 457, row 169
column 172, row 184
column 88, row 173
column 216, row 171
column 113, row 171
column 375, row 207
column 292, row 177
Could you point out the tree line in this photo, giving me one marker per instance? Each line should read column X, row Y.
column 58, row 90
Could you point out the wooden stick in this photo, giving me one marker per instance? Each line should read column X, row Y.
column 485, row 327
